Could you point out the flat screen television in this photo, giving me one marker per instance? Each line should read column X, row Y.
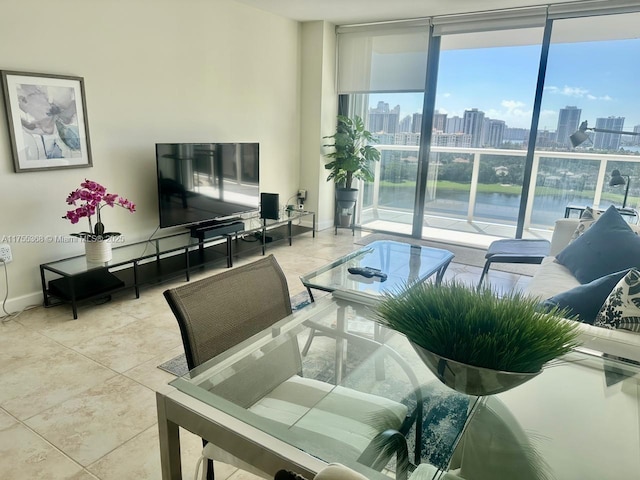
column 206, row 182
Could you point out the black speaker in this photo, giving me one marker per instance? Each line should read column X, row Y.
column 269, row 205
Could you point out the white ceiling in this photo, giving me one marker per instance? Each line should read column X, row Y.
column 344, row 12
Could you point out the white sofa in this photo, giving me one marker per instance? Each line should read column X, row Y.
column 552, row 278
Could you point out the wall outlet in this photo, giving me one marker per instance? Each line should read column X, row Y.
column 302, row 194
column 5, row 253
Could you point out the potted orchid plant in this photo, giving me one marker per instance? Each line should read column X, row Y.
column 89, row 200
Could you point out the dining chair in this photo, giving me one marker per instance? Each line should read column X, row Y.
column 217, row 312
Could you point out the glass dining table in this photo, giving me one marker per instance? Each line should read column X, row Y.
column 579, row 419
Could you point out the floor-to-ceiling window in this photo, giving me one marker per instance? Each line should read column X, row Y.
column 591, row 77
column 498, row 77
column 382, row 70
column 482, row 112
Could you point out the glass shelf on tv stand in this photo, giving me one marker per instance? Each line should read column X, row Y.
column 132, row 264
column 257, row 225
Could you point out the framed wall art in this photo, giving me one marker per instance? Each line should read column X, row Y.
column 47, row 120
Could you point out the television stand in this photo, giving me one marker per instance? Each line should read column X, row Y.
column 203, row 231
column 73, row 280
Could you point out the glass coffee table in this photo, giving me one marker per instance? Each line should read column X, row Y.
column 399, row 264
column 395, row 264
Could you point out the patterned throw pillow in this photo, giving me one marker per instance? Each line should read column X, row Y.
column 622, row 309
column 588, row 217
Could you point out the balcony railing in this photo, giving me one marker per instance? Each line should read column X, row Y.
column 558, row 179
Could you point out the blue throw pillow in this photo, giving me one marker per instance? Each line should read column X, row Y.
column 585, row 301
column 607, row 247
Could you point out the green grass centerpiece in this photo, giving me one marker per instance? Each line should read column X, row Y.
column 474, row 341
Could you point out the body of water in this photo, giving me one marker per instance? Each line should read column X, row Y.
column 489, row 207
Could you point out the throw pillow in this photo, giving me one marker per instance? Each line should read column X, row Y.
column 587, row 218
column 622, row 308
column 585, row 301
column 608, row 246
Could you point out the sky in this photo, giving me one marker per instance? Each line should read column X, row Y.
column 600, row 78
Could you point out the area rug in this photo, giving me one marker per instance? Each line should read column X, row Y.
column 474, row 257
column 178, row 365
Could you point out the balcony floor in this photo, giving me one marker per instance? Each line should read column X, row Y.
column 451, row 230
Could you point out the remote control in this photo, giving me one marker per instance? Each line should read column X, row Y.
column 368, row 272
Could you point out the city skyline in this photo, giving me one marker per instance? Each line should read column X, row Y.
column 505, row 91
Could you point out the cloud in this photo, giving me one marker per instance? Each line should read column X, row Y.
column 512, row 110
column 512, row 104
column 576, row 92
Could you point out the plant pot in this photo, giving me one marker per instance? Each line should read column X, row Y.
column 98, row 251
column 469, row 379
column 345, row 219
column 346, row 197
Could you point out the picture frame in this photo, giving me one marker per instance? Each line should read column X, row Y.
column 47, row 119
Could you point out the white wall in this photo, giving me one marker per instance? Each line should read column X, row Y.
column 319, row 104
column 154, row 71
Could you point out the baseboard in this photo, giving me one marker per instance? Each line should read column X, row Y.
column 16, row 304
column 324, row 225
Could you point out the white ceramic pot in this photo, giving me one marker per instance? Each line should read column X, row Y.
column 98, row 251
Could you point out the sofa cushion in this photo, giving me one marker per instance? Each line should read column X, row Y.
column 621, row 310
column 550, row 279
column 585, row 301
column 608, row 246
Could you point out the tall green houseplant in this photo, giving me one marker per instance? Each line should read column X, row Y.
column 351, row 158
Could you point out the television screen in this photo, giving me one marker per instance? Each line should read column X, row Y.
column 201, row 182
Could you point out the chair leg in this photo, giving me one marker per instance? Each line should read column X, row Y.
column 307, row 345
column 487, row 265
column 208, row 465
column 210, row 472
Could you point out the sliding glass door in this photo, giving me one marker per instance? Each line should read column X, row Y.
column 483, row 108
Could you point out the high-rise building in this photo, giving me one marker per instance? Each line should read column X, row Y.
column 416, row 123
column 636, row 138
column 517, row 135
column 472, row 124
column 406, row 138
column 608, row 141
column 405, row 124
column 494, row 133
column 385, row 138
column 451, row 140
column 454, row 125
column 439, row 122
column 544, row 139
column 568, row 122
column 383, row 120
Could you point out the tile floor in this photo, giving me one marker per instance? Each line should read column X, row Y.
column 77, row 397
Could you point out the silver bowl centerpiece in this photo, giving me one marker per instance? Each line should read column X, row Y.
column 474, row 341
column 469, row 379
